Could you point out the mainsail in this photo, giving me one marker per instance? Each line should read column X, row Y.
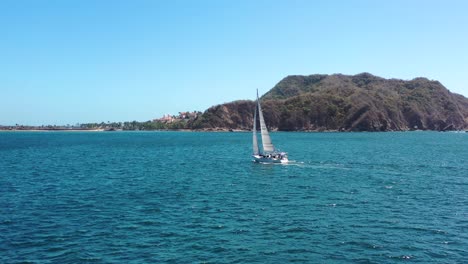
column 255, row 144
column 266, row 141
column 268, row 154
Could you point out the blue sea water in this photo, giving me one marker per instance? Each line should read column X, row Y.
column 186, row 197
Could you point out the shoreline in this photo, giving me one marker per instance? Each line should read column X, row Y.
column 216, row 130
column 52, row 130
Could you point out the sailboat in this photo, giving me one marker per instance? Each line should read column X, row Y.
column 269, row 153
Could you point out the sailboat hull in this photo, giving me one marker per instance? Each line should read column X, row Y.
column 269, row 159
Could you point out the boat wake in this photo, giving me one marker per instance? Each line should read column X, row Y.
column 289, row 163
column 294, row 163
column 316, row 165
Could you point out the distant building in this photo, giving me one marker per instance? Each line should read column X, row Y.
column 167, row 118
column 171, row 118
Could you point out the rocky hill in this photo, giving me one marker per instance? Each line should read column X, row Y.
column 362, row 102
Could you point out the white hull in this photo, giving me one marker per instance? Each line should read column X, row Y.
column 263, row 159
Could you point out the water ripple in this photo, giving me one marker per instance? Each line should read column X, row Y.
column 196, row 198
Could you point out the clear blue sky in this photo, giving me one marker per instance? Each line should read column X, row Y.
column 91, row 61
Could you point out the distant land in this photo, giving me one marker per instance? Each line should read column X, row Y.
column 338, row 102
column 320, row 102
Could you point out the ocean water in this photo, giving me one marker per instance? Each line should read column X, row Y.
column 186, row 197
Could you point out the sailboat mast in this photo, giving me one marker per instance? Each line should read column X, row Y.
column 254, row 133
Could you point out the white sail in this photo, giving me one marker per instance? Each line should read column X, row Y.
column 254, row 132
column 266, row 140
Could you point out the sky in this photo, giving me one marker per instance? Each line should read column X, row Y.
column 80, row 61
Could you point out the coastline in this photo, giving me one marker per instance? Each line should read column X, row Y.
column 52, row 130
column 216, row 130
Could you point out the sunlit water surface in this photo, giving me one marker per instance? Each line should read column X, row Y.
column 184, row 197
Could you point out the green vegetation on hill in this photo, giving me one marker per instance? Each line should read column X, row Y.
column 135, row 125
column 337, row 102
column 362, row 102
